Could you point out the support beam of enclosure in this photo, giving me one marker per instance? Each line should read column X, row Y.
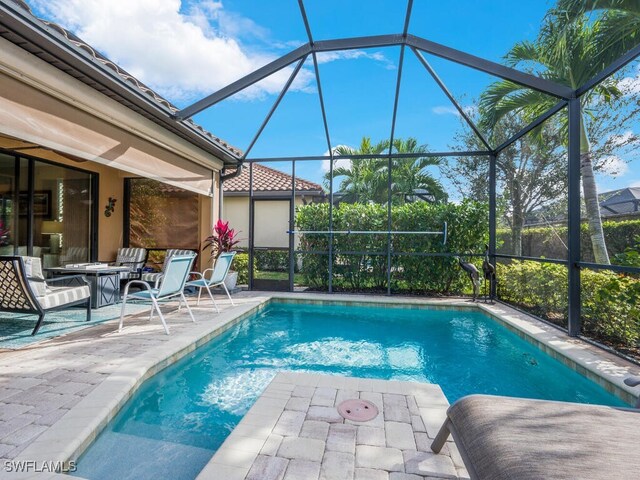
column 493, row 160
column 478, row 153
column 449, row 95
column 284, row 91
column 536, row 123
column 573, row 224
column 244, row 82
column 615, row 66
column 492, row 68
column 457, row 56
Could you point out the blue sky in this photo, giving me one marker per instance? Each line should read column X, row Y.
column 188, row 49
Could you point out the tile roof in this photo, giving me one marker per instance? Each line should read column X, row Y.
column 266, row 179
column 124, row 76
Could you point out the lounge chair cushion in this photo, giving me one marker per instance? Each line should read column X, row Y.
column 58, row 296
column 521, row 439
column 33, row 271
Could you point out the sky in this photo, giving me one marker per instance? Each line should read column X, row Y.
column 188, row 49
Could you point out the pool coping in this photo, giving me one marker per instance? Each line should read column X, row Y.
column 68, row 438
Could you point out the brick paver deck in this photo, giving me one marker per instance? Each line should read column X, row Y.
column 294, row 432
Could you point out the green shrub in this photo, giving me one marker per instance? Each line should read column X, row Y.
column 355, row 271
column 271, row 260
column 544, row 241
column 610, row 312
column 241, row 265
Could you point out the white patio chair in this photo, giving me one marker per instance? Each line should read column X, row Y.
column 218, row 276
column 172, row 285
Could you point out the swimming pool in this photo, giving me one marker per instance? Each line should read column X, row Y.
column 178, row 418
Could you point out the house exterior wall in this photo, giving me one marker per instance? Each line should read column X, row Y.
column 41, row 105
column 269, row 228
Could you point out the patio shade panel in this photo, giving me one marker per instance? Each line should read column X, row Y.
column 32, row 116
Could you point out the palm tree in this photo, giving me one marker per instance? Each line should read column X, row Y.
column 361, row 181
column 410, row 175
column 367, row 179
column 619, row 19
column 569, row 53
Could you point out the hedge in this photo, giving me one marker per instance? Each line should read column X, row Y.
column 544, row 242
column 610, row 311
column 355, row 271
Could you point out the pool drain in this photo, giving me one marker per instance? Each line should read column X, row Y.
column 358, row 410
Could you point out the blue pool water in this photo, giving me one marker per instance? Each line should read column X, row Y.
column 178, row 418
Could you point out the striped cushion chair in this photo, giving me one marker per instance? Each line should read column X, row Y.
column 74, row 255
column 132, row 258
column 155, row 277
column 24, row 290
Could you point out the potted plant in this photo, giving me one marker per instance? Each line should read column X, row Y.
column 223, row 239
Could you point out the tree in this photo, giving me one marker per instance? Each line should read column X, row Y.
column 366, row 180
column 361, row 180
column 409, row 176
column 532, row 174
column 569, row 53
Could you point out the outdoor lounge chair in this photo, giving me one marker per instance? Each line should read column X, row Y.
column 154, row 278
column 171, row 286
column 24, row 290
column 501, row 438
column 132, row 258
column 218, row 275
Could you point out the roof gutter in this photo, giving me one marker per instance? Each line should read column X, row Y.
column 231, row 175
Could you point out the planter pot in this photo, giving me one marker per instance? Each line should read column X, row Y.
column 231, row 280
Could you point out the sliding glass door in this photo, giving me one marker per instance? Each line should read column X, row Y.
column 47, row 210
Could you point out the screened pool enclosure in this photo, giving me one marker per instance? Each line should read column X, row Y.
column 518, row 186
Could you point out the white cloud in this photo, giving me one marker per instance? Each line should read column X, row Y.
column 182, row 55
column 451, row 110
column 614, row 166
column 631, row 85
column 445, row 110
column 326, row 57
column 342, row 163
column 624, row 139
column 185, row 50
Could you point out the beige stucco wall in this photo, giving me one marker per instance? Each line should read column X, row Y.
column 42, row 105
column 271, row 220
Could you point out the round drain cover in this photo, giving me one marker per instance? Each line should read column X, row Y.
column 358, row 410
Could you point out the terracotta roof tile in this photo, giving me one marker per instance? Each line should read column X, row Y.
column 266, row 179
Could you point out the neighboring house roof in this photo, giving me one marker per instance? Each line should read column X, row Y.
column 266, row 179
column 65, row 51
column 616, row 202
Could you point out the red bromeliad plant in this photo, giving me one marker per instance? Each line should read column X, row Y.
column 222, row 240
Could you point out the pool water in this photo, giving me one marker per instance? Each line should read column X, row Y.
column 178, row 418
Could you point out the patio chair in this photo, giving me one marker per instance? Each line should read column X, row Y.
column 132, row 258
column 505, row 438
column 171, row 286
column 155, row 277
column 218, row 275
column 23, row 289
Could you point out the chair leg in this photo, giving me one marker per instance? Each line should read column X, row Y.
column 124, row 304
column 212, row 298
column 40, row 319
column 157, row 307
column 441, row 437
column 89, row 309
column 199, row 293
column 182, row 298
column 228, row 294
